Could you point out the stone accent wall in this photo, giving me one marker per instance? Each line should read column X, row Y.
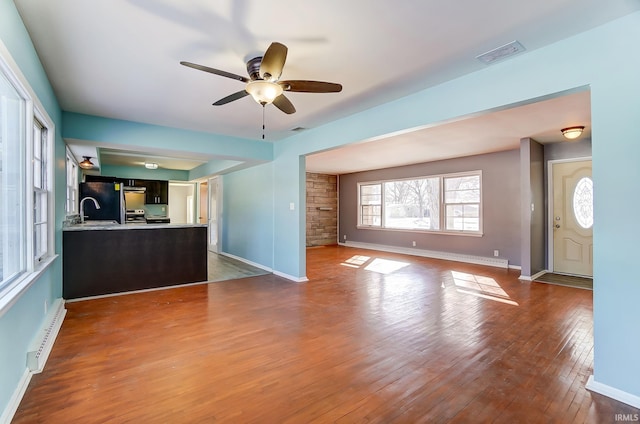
column 322, row 225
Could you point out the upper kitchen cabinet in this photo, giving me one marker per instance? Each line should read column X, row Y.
column 157, row 192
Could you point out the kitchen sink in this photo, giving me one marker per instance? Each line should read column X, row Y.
column 98, row 223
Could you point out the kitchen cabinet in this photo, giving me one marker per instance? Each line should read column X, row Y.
column 157, row 192
column 127, row 257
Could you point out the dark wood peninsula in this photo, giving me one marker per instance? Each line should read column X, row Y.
column 100, row 260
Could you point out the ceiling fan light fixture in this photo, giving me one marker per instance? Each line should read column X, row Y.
column 151, row 165
column 571, row 133
column 264, row 92
column 86, row 163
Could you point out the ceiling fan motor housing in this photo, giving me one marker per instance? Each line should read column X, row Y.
column 253, row 68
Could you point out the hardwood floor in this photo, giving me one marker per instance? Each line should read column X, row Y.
column 372, row 337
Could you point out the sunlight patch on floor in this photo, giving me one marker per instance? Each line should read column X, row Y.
column 385, row 266
column 381, row 266
column 479, row 286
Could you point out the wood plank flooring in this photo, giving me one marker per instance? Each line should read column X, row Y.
column 372, row 337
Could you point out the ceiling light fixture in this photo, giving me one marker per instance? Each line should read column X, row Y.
column 151, row 165
column 86, row 163
column 264, row 92
column 571, row 133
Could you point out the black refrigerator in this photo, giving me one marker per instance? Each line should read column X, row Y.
column 109, row 196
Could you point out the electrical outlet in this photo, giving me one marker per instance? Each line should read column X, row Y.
column 344, row 237
column 46, row 306
column 496, row 253
column 164, row 209
column 414, row 243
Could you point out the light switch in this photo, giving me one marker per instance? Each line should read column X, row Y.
column 292, row 206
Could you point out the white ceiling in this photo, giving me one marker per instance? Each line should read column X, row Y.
column 120, row 59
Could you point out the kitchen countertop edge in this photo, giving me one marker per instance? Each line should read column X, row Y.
column 118, row 227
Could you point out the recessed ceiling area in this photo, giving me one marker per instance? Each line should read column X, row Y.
column 128, row 158
column 486, row 133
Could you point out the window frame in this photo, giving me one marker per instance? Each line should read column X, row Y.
column 442, row 205
column 32, row 264
column 72, row 171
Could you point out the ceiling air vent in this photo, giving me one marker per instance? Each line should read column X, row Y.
column 298, row 129
column 501, row 52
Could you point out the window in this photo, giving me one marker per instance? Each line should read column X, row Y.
column 462, row 203
column 370, row 204
column 26, row 206
column 12, row 182
column 446, row 203
column 71, row 207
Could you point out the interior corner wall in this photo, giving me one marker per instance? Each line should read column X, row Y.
column 532, row 198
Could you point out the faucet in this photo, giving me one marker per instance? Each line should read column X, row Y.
column 95, row 202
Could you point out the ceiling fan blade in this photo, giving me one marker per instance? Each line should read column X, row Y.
column 215, row 71
column 284, row 104
column 301, row 86
column 231, row 98
column 273, row 62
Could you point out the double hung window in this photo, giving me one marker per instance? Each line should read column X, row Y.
column 449, row 203
column 26, row 183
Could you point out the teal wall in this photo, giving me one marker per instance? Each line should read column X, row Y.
column 247, row 215
column 260, row 226
column 20, row 324
column 606, row 59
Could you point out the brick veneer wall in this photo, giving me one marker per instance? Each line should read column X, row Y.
column 322, row 226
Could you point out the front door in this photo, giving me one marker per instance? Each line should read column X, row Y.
column 572, row 218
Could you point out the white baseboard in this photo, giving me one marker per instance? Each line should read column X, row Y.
column 472, row 259
column 246, row 261
column 37, row 356
column 291, row 277
column 14, row 402
column 612, row 392
column 532, row 277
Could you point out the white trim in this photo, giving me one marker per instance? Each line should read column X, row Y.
column 16, row 398
column 612, row 392
column 472, row 259
column 532, row 277
column 246, row 261
column 291, row 277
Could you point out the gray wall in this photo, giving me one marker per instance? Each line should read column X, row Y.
column 532, row 194
column 501, row 207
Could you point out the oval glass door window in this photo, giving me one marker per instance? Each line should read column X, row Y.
column 583, row 202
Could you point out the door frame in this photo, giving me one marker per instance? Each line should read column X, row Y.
column 550, row 214
column 214, row 182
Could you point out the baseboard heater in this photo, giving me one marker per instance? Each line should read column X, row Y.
column 472, row 259
column 41, row 348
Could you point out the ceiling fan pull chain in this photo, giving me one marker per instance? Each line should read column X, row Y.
column 263, row 108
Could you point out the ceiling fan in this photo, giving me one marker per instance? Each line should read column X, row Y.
column 264, row 83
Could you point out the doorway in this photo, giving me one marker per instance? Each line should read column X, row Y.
column 215, row 197
column 571, row 218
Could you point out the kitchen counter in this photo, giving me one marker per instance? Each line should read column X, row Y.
column 113, row 225
column 101, row 258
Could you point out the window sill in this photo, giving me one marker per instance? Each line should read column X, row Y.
column 10, row 294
